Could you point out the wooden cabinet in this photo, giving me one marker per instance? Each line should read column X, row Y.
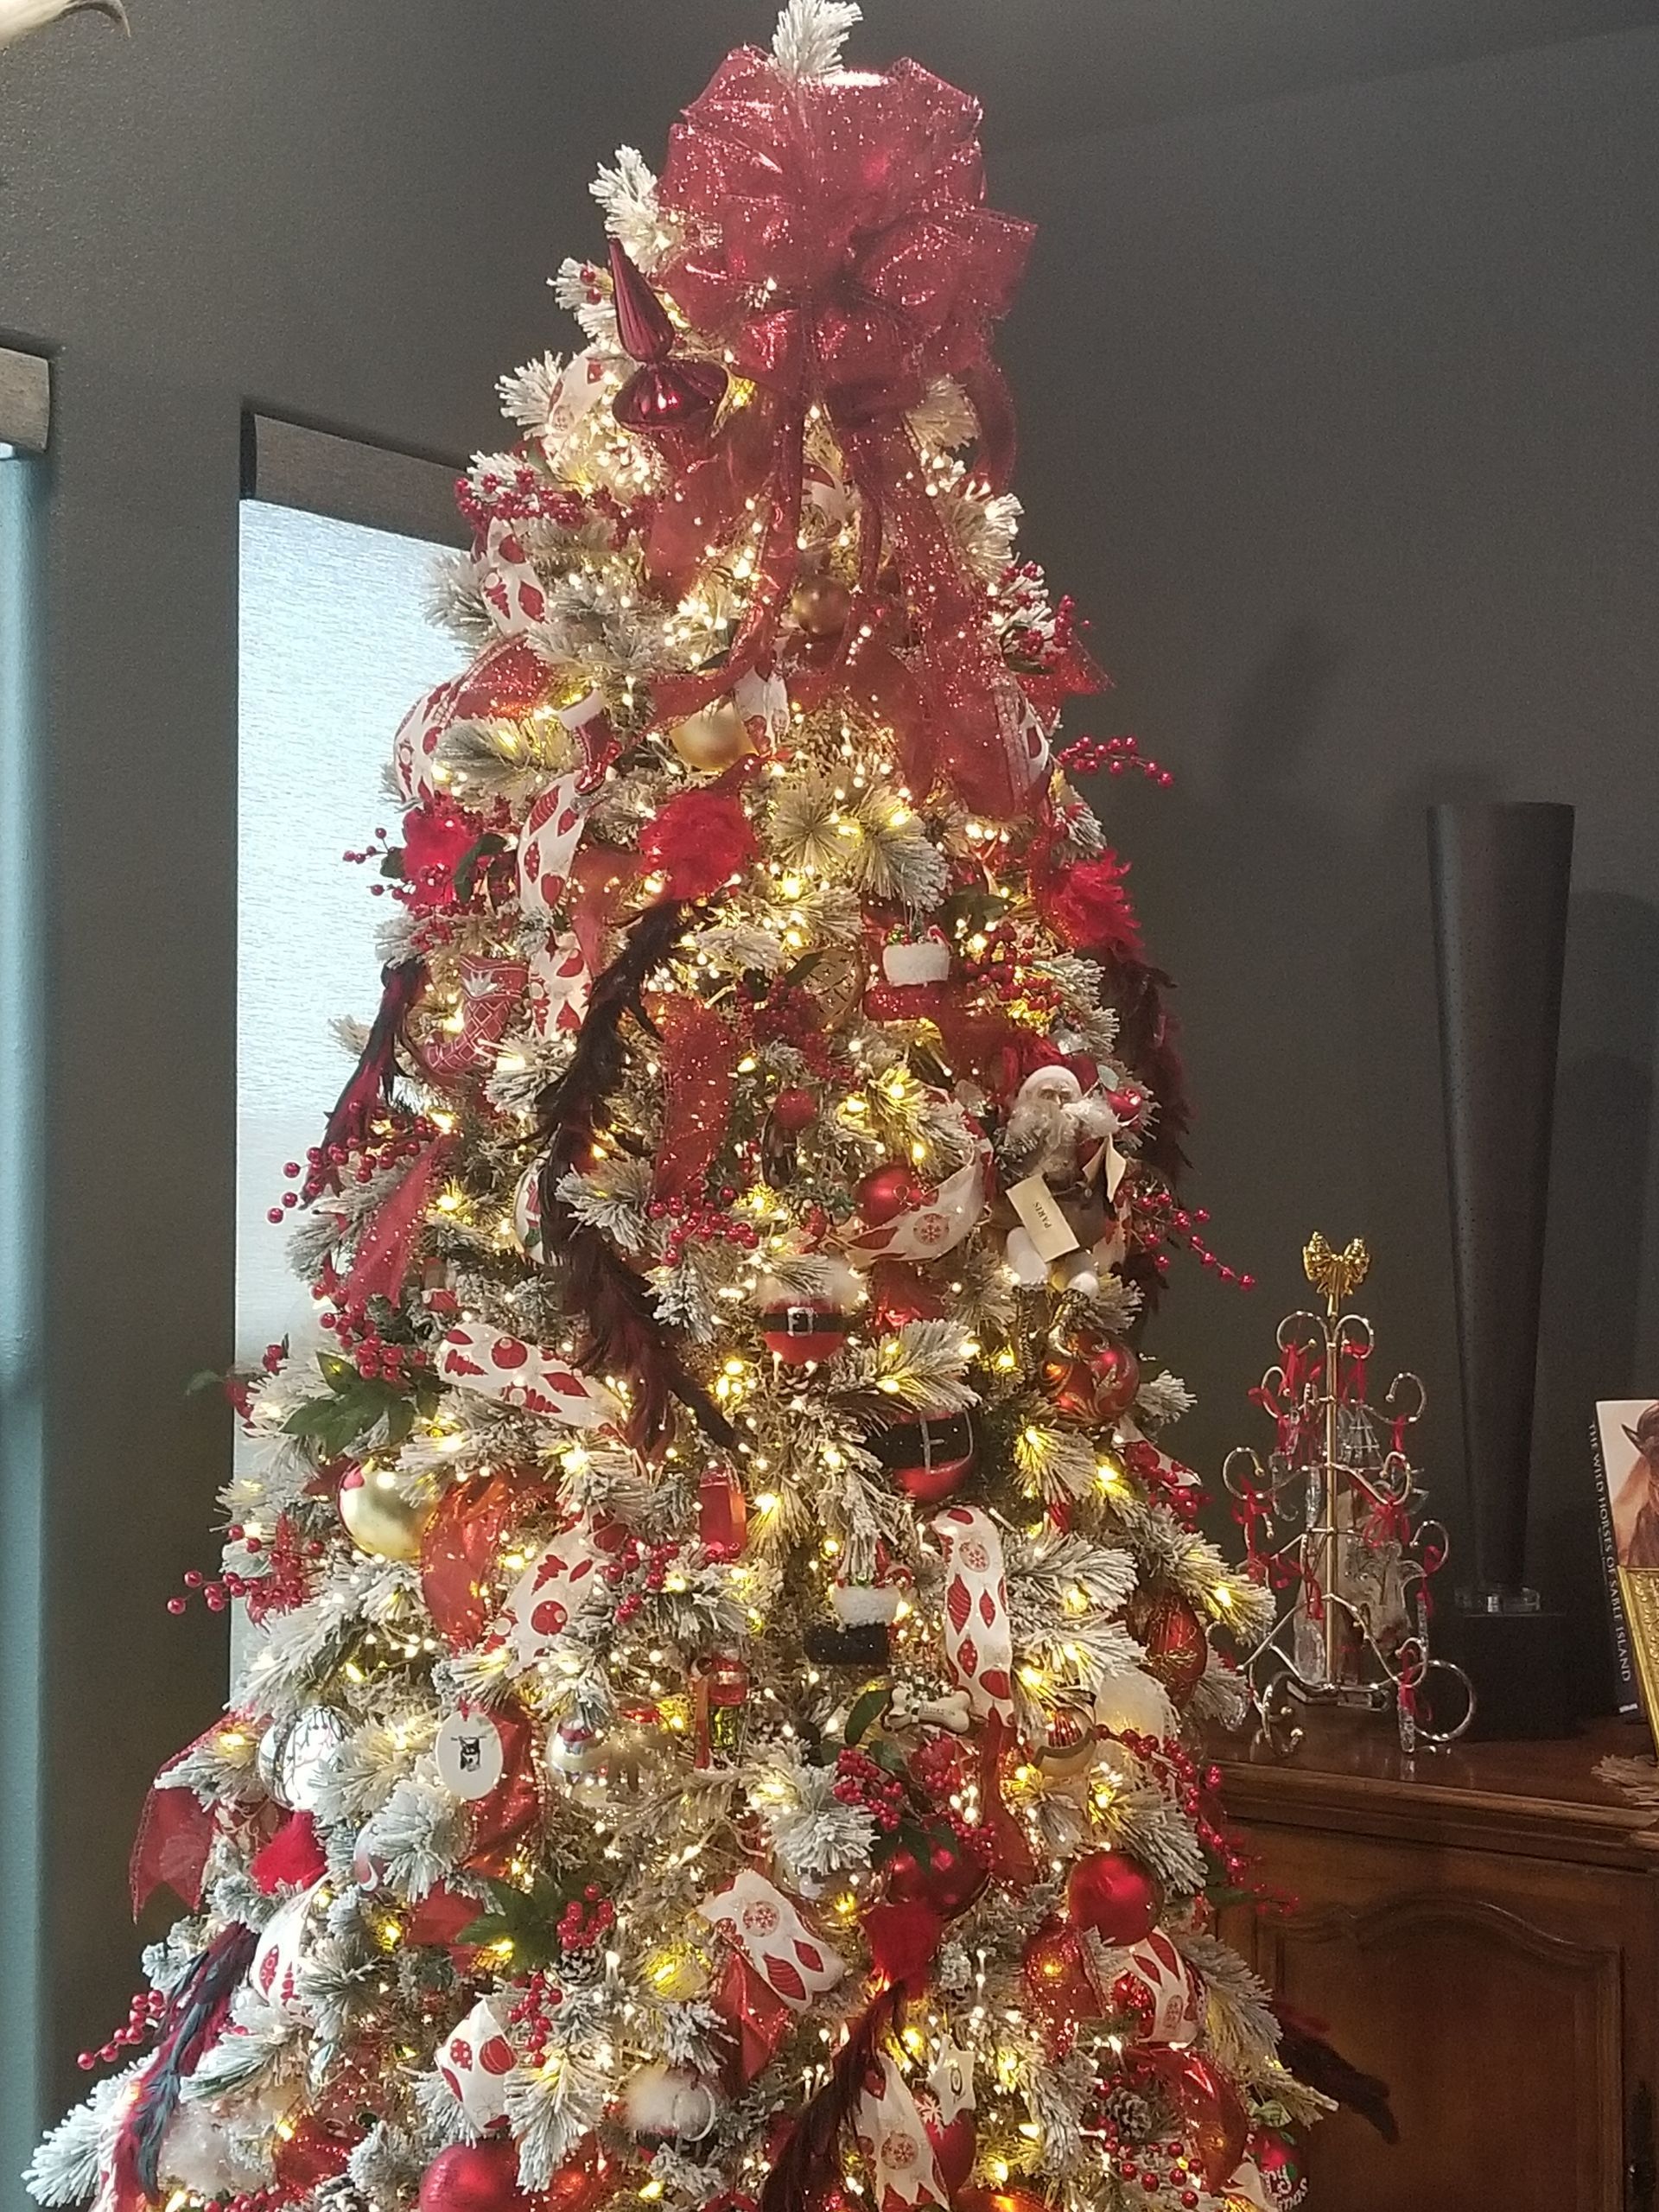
column 1481, row 1929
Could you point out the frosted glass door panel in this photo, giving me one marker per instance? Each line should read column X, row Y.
column 335, row 647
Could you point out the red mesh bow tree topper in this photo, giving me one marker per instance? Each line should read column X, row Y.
column 731, row 1635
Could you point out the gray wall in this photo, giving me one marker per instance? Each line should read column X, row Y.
column 1336, row 418
column 1339, row 415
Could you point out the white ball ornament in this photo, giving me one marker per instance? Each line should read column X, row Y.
column 1133, row 1703
column 670, row 2104
column 295, row 1756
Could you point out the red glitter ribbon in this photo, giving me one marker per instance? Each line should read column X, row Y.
column 844, row 257
column 384, row 1250
column 700, row 1050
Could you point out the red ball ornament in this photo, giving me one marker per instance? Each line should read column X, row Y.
column 1178, row 1651
column 794, row 1111
column 1279, row 2162
column 1115, row 1895
column 1070, row 1381
column 887, row 1192
column 1116, row 1373
column 948, row 1877
column 474, row 2177
column 928, row 1458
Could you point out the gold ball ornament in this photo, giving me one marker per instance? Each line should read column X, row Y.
column 379, row 1518
column 712, row 739
column 821, row 606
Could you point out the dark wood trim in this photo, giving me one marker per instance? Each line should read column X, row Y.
column 297, row 465
column 25, row 400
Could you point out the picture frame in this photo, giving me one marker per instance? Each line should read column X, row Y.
column 1625, row 1441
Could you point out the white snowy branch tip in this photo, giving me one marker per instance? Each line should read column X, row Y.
column 19, row 17
column 808, row 40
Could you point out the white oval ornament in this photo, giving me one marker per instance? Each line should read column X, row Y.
column 470, row 1754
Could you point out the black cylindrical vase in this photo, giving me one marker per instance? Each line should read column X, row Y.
column 1499, row 874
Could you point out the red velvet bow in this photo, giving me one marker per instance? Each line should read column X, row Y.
column 843, row 254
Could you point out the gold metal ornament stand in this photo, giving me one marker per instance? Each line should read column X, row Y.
column 1357, row 1552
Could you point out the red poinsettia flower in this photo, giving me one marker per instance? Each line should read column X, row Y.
column 437, row 837
column 698, row 840
column 1087, row 907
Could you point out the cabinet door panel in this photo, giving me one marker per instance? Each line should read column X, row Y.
column 1486, row 1991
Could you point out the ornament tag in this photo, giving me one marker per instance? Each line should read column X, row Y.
column 1039, row 1212
column 470, row 1755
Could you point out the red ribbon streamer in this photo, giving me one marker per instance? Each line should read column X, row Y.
column 383, row 1252
column 700, row 1050
column 758, row 2022
column 460, row 1555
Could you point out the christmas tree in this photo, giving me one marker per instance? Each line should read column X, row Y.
column 731, row 1642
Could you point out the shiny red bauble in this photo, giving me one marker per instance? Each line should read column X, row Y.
column 949, row 1876
column 1116, row 1373
column 1115, row 1895
column 1279, row 2162
column 793, row 1110
column 885, row 1192
column 1177, row 1648
column 474, row 2177
column 1070, row 1383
